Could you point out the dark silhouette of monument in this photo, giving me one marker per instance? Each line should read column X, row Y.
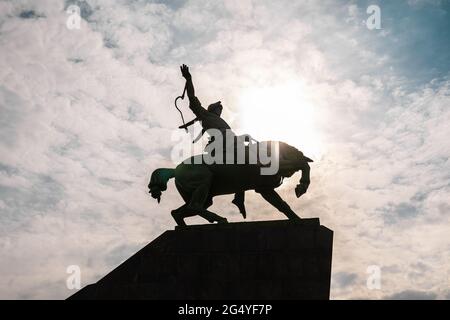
column 288, row 259
column 247, row 260
column 199, row 180
column 198, row 183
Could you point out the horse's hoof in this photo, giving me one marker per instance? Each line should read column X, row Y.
column 178, row 219
column 224, row 220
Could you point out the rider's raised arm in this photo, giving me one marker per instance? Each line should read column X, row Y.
column 190, row 88
column 194, row 103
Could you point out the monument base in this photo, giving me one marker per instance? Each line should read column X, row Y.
column 245, row 260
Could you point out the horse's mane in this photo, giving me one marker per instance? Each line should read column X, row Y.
column 289, row 152
column 290, row 159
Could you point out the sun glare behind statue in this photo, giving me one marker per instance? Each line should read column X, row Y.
column 280, row 113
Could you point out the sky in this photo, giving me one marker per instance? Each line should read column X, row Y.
column 87, row 114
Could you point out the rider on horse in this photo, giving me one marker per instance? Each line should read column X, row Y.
column 210, row 119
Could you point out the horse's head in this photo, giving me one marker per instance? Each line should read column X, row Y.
column 302, row 187
column 155, row 191
column 291, row 161
column 158, row 182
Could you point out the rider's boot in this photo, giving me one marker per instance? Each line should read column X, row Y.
column 239, row 202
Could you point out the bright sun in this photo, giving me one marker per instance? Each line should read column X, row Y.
column 280, row 113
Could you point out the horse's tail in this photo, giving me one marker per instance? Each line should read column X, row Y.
column 158, row 182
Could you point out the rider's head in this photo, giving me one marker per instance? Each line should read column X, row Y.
column 216, row 108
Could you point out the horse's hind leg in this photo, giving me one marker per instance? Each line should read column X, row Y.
column 274, row 199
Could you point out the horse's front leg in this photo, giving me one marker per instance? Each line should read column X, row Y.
column 271, row 196
column 179, row 214
column 186, row 211
column 212, row 217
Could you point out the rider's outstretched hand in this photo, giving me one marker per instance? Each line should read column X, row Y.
column 185, row 72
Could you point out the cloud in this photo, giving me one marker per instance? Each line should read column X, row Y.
column 30, row 14
column 344, row 279
column 412, row 295
column 87, row 115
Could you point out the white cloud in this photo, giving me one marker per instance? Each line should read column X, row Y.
column 87, row 115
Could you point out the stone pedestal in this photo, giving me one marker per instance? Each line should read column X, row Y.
column 247, row 260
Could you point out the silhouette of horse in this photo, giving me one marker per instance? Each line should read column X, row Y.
column 198, row 182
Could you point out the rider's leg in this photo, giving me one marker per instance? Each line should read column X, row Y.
column 271, row 196
column 200, row 193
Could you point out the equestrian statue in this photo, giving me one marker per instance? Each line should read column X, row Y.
column 199, row 180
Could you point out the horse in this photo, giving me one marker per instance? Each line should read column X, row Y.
column 198, row 182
